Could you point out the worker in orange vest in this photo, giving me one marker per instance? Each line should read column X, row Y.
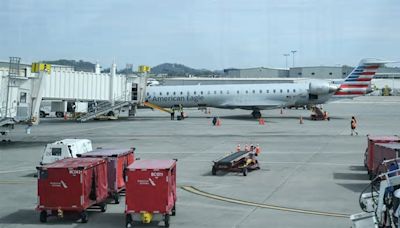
column 238, row 148
column 258, row 150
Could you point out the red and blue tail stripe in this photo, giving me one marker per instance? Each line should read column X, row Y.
column 358, row 82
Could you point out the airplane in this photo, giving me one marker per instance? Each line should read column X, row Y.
column 256, row 97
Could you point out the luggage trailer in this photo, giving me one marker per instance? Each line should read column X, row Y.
column 150, row 191
column 72, row 185
column 241, row 161
column 117, row 162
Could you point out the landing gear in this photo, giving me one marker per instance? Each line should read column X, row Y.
column 256, row 114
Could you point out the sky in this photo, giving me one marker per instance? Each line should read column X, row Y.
column 209, row 34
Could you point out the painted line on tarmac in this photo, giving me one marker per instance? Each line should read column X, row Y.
column 17, row 182
column 196, row 191
column 16, row 170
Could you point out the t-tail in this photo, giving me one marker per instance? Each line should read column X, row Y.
column 358, row 82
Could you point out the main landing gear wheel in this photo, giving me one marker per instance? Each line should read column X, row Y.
column 256, row 114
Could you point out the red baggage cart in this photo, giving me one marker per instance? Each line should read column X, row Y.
column 384, row 152
column 369, row 152
column 72, row 185
column 150, row 191
column 118, row 160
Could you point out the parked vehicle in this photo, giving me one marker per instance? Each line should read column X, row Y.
column 66, row 148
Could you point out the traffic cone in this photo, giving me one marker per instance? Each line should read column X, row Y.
column 301, row 120
column 218, row 122
column 261, row 121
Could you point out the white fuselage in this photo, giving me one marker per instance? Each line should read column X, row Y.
column 245, row 96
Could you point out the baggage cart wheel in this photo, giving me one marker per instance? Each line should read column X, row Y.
column 173, row 210
column 43, row 216
column 84, row 217
column 214, row 171
column 116, row 198
column 166, row 220
column 245, row 171
column 103, row 207
column 128, row 221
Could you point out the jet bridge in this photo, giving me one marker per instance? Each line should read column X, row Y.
column 23, row 89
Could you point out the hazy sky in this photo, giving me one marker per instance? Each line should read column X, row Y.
column 200, row 33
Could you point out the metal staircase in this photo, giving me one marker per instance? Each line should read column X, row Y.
column 106, row 108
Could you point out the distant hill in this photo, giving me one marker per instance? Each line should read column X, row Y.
column 78, row 65
column 174, row 69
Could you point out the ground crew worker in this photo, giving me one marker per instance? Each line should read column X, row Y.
column 246, row 148
column 238, row 148
column 251, row 147
column 353, row 125
column 172, row 115
column 258, row 150
column 214, row 121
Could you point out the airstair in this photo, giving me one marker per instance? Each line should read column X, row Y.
column 153, row 106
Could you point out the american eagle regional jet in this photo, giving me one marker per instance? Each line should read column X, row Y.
column 256, row 97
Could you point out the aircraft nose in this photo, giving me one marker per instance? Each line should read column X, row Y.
column 333, row 88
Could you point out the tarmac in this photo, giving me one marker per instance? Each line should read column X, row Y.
column 311, row 174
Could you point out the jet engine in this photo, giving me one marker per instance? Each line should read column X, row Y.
column 321, row 88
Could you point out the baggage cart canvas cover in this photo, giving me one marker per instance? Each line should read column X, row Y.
column 61, row 184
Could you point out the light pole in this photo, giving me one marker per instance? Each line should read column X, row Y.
column 294, row 51
column 286, row 55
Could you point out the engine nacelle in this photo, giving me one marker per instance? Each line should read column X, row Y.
column 321, row 88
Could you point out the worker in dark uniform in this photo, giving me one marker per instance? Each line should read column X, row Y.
column 172, row 115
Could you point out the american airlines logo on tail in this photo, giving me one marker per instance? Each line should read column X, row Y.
column 358, row 82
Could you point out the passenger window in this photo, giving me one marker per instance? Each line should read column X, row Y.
column 55, row 151
column 194, row 92
column 221, row 92
column 215, row 92
column 160, row 93
column 281, row 91
column 254, row 91
column 181, row 93
column 274, row 91
column 294, row 90
column 201, row 92
column 174, row 93
column 167, row 93
column 288, row 91
column 260, row 91
column 237, row 92
column 247, row 91
column 267, row 90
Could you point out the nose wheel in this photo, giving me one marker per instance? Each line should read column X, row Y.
column 256, row 114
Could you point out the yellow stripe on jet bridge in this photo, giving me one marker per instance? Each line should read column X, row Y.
column 196, row 191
